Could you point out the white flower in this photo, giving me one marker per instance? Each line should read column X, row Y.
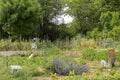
column 103, row 63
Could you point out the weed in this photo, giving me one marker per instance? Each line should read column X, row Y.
column 112, row 72
column 92, row 54
column 72, row 73
column 53, row 75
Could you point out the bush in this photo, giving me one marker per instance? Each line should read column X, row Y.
column 87, row 43
column 64, row 68
column 44, row 44
column 21, row 75
column 115, row 32
column 101, row 55
column 92, row 54
column 9, row 45
column 49, row 47
column 88, row 53
column 78, row 42
column 95, row 33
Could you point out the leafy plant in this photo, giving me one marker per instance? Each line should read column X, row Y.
column 64, row 68
column 92, row 54
column 9, row 45
column 97, row 73
column 53, row 75
column 88, row 53
column 112, row 72
column 71, row 73
column 21, row 75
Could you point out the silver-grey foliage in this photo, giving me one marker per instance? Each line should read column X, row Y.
column 63, row 68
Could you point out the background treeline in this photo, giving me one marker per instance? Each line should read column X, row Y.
column 25, row 19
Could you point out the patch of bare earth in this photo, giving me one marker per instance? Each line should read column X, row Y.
column 15, row 53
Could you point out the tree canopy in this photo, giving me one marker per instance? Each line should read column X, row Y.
column 34, row 18
column 20, row 17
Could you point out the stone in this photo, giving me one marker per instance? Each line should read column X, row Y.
column 15, row 68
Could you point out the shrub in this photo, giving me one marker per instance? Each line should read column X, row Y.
column 112, row 72
column 115, row 32
column 79, row 42
column 63, row 44
column 95, row 33
column 21, row 75
column 92, row 54
column 75, row 42
column 45, row 44
column 101, row 55
column 9, row 45
column 88, row 53
column 88, row 43
column 64, row 68
column 49, row 47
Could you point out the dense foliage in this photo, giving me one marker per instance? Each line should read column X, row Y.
column 20, row 18
column 39, row 18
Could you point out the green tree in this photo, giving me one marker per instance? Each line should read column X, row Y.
column 2, row 33
column 110, row 14
column 84, row 13
column 50, row 9
column 115, row 33
column 19, row 17
column 110, row 5
column 109, row 19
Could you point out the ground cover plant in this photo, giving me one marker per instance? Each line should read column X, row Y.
column 51, row 64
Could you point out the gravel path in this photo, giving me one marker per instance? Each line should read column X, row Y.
column 12, row 53
column 15, row 53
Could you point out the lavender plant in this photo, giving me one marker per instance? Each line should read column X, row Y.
column 63, row 68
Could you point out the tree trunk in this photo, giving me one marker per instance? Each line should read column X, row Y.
column 20, row 37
